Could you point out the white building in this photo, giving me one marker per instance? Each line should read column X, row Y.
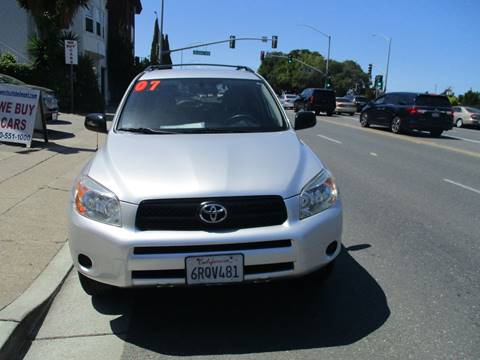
column 91, row 27
column 89, row 24
column 16, row 27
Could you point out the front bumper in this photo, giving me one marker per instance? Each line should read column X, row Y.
column 111, row 248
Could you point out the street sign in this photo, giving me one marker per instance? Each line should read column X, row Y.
column 71, row 52
column 201, row 52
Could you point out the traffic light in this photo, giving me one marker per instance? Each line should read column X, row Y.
column 274, row 41
column 378, row 82
column 328, row 83
column 289, row 58
column 369, row 71
column 262, row 55
column 232, row 41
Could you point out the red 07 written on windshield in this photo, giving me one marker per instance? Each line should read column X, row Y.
column 144, row 85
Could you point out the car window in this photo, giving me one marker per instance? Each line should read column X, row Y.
column 471, row 109
column 202, row 105
column 379, row 101
column 457, row 109
column 432, row 100
column 391, row 99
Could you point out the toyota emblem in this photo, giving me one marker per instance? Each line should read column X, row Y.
column 212, row 213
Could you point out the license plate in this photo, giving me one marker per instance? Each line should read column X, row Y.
column 214, row 269
column 435, row 115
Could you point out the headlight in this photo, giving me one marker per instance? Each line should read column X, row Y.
column 95, row 202
column 319, row 194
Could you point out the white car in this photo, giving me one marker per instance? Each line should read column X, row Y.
column 345, row 105
column 466, row 115
column 192, row 190
column 287, row 100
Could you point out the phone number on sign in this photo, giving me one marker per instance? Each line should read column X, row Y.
column 12, row 136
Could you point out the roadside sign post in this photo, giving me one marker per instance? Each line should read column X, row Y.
column 71, row 58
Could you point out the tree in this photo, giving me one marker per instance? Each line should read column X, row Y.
column 470, row 98
column 296, row 77
column 154, row 52
column 166, row 58
column 52, row 15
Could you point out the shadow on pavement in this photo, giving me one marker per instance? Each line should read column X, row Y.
column 256, row 318
column 59, row 122
column 415, row 133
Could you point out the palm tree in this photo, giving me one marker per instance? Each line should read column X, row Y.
column 52, row 14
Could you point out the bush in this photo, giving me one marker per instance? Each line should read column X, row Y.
column 9, row 66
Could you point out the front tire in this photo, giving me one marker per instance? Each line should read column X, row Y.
column 396, row 125
column 351, row 114
column 92, row 287
column 459, row 123
column 436, row 133
column 364, row 120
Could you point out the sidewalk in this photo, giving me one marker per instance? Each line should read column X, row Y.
column 34, row 192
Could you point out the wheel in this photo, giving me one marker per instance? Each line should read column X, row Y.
column 92, row 287
column 396, row 125
column 351, row 114
column 459, row 123
column 329, row 113
column 317, row 113
column 436, row 133
column 364, row 120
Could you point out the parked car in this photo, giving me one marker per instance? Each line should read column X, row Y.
column 359, row 101
column 466, row 115
column 287, row 100
column 317, row 100
column 404, row 111
column 345, row 105
column 178, row 196
column 50, row 102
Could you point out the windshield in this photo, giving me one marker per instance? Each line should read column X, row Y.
column 10, row 80
column 429, row 100
column 201, row 105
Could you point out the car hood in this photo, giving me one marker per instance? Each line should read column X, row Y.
column 138, row 167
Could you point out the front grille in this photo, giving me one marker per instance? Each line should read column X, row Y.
column 180, row 273
column 185, row 249
column 183, row 214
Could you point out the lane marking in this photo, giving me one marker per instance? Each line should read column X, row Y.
column 373, row 154
column 329, row 139
column 404, row 138
column 462, row 186
column 464, row 139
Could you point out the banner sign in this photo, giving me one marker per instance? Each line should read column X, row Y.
column 18, row 112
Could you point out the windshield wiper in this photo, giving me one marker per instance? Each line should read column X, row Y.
column 143, row 130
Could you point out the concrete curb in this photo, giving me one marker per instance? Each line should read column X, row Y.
column 20, row 319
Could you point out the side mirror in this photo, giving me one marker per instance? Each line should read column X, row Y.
column 304, row 120
column 96, row 122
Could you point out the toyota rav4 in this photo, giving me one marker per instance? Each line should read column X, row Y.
column 202, row 180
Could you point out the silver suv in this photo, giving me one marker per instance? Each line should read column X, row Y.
column 202, row 180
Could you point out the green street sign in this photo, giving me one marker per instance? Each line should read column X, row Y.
column 201, row 52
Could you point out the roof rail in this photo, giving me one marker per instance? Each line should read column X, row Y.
column 169, row 66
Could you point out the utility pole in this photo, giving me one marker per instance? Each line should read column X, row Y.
column 389, row 39
column 160, row 39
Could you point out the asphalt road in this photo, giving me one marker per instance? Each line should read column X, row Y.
column 406, row 285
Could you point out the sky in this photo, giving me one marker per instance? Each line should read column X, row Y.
column 435, row 43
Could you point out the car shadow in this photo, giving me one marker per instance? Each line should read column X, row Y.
column 59, row 122
column 279, row 316
column 414, row 133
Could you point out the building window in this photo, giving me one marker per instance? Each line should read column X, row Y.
column 99, row 29
column 89, row 24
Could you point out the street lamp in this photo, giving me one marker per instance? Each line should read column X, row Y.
column 328, row 55
column 389, row 40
